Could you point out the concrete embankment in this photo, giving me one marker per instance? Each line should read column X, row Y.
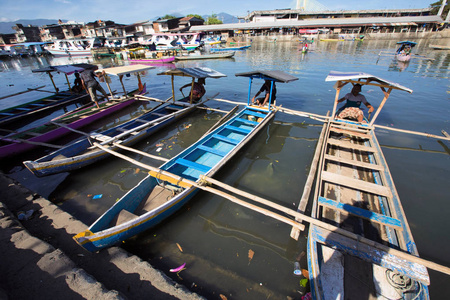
column 40, row 260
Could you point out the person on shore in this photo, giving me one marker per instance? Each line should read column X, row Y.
column 77, row 84
column 351, row 109
column 197, row 91
column 91, row 85
column 262, row 101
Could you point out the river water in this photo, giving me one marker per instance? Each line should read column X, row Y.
column 229, row 249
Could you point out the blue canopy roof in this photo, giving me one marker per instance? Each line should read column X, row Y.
column 277, row 76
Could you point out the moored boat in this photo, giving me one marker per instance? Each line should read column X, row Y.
column 75, row 47
column 19, row 142
column 404, row 51
column 195, row 56
column 351, row 251
column 36, row 108
column 215, row 49
column 82, row 153
column 165, row 191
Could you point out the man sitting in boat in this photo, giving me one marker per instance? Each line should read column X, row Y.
column 77, row 84
column 91, row 85
column 262, row 101
column 197, row 91
column 351, row 109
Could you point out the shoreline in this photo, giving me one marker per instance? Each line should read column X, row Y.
column 45, row 262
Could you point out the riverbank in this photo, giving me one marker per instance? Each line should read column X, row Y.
column 42, row 261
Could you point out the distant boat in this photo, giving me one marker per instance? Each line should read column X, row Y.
column 194, row 56
column 439, row 47
column 404, row 51
column 75, row 47
column 167, row 41
column 229, row 48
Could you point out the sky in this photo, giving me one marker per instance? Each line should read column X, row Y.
column 127, row 12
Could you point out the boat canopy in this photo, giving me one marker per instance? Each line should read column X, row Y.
column 357, row 77
column 277, row 76
column 200, row 72
column 412, row 44
column 127, row 69
column 66, row 69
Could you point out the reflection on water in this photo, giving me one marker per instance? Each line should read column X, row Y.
column 216, row 235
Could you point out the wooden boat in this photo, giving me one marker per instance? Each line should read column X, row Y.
column 159, row 195
column 356, row 197
column 19, row 142
column 404, row 51
column 82, row 153
column 75, row 47
column 439, row 47
column 229, row 48
column 166, row 59
column 36, row 108
column 206, row 56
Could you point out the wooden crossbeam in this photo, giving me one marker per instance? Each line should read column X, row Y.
column 356, row 184
column 363, row 213
column 350, row 132
column 347, row 144
column 355, row 163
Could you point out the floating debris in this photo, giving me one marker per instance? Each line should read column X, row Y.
column 179, row 247
column 97, row 196
column 250, row 255
column 179, row 269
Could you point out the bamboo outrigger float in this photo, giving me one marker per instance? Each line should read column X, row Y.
column 355, row 192
column 158, row 195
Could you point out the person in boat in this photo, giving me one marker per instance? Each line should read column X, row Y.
column 265, row 88
column 351, row 109
column 91, row 85
column 77, row 84
column 197, row 91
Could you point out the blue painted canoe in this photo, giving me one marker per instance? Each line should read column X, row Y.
column 356, row 194
column 229, row 48
column 158, row 196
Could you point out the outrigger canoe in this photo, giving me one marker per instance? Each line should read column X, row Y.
column 229, row 48
column 159, row 195
column 83, row 153
column 205, row 56
column 19, row 142
column 356, row 196
column 36, row 108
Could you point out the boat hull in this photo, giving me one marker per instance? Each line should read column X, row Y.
column 70, row 52
column 76, row 156
column 154, row 60
column 16, row 147
column 403, row 58
column 205, row 157
column 205, row 56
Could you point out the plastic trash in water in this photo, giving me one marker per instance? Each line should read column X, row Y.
column 180, row 268
column 297, row 270
column 25, row 215
column 97, row 196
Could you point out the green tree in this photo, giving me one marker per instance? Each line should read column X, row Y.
column 196, row 16
column 213, row 20
column 166, row 17
column 437, row 5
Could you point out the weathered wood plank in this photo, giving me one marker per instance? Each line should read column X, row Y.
column 356, row 184
column 350, row 132
column 363, row 213
column 346, row 144
column 356, row 163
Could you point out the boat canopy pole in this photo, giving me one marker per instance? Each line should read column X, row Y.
column 191, row 94
column 173, row 89
column 249, row 90
column 51, row 78
column 121, row 82
column 270, row 94
column 386, row 96
column 68, row 83
column 339, row 86
column 107, row 84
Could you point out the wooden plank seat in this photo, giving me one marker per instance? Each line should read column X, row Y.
column 350, row 132
column 238, row 129
column 356, row 163
column 226, row 139
column 346, row 144
column 192, row 165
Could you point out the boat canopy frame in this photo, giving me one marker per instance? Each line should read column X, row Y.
column 198, row 72
column 123, row 70
column 273, row 76
column 343, row 78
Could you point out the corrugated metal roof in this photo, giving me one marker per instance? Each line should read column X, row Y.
column 319, row 22
column 278, row 76
column 336, row 76
column 127, row 69
column 200, row 72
